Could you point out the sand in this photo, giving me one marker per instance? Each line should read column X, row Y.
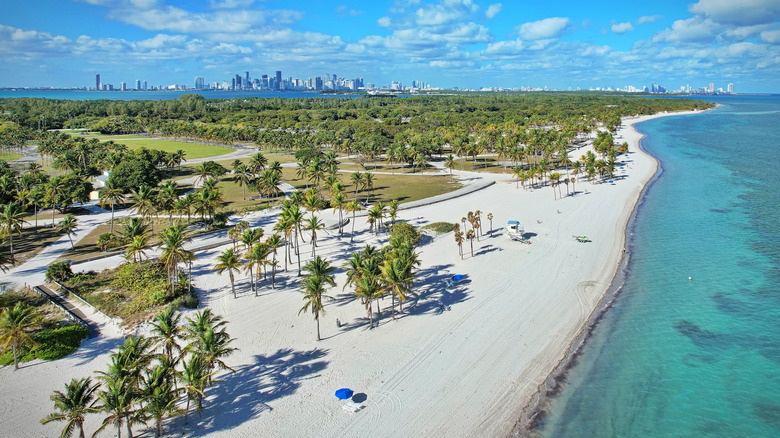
column 466, row 371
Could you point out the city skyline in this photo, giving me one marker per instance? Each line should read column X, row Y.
column 447, row 43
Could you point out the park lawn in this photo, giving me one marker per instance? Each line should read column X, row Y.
column 191, row 150
column 9, row 156
column 33, row 240
column 482, row 164
column 380, row 167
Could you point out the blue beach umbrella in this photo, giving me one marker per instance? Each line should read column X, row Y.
column 457, row 277
column 344, row 393
column 611, row 182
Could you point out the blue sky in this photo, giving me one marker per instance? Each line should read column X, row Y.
column 465, row 43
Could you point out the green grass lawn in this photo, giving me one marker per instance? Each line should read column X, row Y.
column 9, row 156
column 191, row 150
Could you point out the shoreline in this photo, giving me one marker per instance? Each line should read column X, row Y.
column 535, row 411
column 429, row 372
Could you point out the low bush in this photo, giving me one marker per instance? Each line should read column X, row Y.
column 439, row 227
column 59, row 271
column 407, row 232
column 52, row 343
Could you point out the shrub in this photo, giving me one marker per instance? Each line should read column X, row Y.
column 439, row 227
column 405, row 231
column 52, row 344
column 108, row 241
column 148, row 280
column 59, row 271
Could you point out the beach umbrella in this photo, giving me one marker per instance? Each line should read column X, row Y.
column 344, row 393
column 457, row 277
column 611, row 182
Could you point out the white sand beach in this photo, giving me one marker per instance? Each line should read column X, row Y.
column 466, row 371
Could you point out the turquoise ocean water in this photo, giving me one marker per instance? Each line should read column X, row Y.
column 698, row 358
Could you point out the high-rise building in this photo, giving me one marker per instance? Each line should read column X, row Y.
column 247, row 83
column 712, row 87
column 278, row 85
column 199, row 83
column 731, row 88
column 138, row 85
column 124, row 86
column 145, row 85
column 98, row 84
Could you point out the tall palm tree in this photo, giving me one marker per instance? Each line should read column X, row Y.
column 313, row 225
column 111, row 196
column 118, row 400
column 368, row 183
column 11, row 220
column 229, row 261
column 313, row 288
column 367, row 288
column 357, row 181
column 173, row 252
column 257, row 162
column 68, row 226
column 396, row 280
column 338, row 201
column 166, row 330
column 143, row 203
column 470, row 237
column 243, row 176
column 160, row 396
column 134, row 227
column 449, row 163
column 195, row 378
column 72, row 405
column 273, row 243
column 15, row 324
column 166, row 199
column 352, row 207
column 257, row 258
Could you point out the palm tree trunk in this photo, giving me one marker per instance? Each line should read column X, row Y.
column 16, row 358
column 232, row 284
column 318, row 327
column 353, row 227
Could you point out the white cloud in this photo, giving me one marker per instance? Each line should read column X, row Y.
column 493, row 10
column 691, row 30
column 648, row 19
column 622, row 27
column 344, row 11
column 384, row 22
column 547, row 28
column 231, row 4
column 743, row 32
column 771, row 36
column 742, row 12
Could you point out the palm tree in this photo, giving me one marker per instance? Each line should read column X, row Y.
column 112, row 196
column 313, row 225
column 15, row 324
column 118, row 398
column 242, row 177
column 257, row 162
column 68, row 226
column 470, row 237
column 160, row 396
column 134, row 227
column 72, row 405
column 173, row 252
column 166, row 330
column 136, row 249
column 143, row 203
column 256, row 258
column 228, row 261
column 166, row 199
column 368, row 183
column 396, row 279
column 273, row 243
column 195, row 376
column 490, row 218
column 11, row 220
column 357, row 181
column 367, row 287
column 313, row 289
column 352, row 207
column 338, row 201
column 459, row 240
column 449, row 163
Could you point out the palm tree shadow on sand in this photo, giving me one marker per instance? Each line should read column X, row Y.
column 245, row 394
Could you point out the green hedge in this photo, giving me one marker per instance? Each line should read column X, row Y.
column 52, row 344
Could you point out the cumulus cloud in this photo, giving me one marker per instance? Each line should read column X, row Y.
column 691, row 30
column 547, row 28
column 344, row 11
column 493, row 10
column 771, row 36
column 648, row 19
column 622, row 27
column 743, row 12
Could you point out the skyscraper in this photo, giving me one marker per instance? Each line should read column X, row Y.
column 264, row 82
column 712, row 87
column 199, row 83
column 278, row 84
column 247, row 83
column 731, row 88
column 98, row 84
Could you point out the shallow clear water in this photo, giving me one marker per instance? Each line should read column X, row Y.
column 675, row 357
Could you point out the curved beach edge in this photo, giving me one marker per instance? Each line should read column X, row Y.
column 535, row 410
